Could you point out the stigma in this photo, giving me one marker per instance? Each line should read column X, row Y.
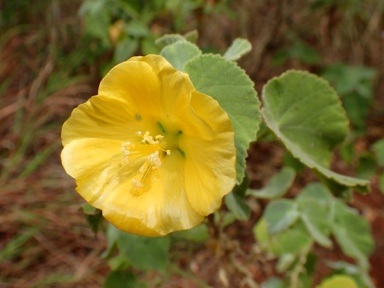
column 150, row 149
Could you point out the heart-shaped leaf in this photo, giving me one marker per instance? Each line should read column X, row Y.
column 305, row 113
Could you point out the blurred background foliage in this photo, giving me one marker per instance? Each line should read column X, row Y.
column 53, row 54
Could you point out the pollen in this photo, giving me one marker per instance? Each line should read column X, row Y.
column 136, row 184
column 149, row 150
column 148, row 139
column 127, row 147
column 154, row 160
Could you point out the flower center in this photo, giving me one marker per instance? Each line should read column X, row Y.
column 152, row 151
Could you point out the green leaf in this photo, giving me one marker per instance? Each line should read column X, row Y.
column 280, row 214
column 179, row 53
column 96, row 25
column 366, row 168
column 290, row 161
column 192, row 36
column 338, row 190
column 119, row 262
column 236, row 203
column 349, row 79
column 339, row 281
column 260, row 232
column 306, row 115
column 352, row 232
column 277, row 186
column 343, row 267
column 314, row 201
column 292, row 241
column 125, row 49
column 354, row 84
column 378, row 149
column 381, row 183
column 361, row 277
column 89, row 209
column 273, row 283
column 284, row 262
column 197, row 234
column 298, row 51
column 231, row 87
column 93, row 216
column 94, row 221
column 144, row 253
column 238, row 48
column 136, row 29
column 169, row 39
column 120, row 279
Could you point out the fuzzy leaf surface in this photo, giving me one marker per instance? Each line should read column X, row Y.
column 305, row 113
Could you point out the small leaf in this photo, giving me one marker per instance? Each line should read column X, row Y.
column 367, row 166
column 136, row 29
column 93, row 216
column 192, row 36
column 88, row 209
column 277, row 186
column 299, row 51
column 169, row 39
column 361, row 277
column 231, row 87
column 238, row 48
column 119, row 262
column 260, row 232
column 120, row 279
column 144, row 253
column 314, row 203
column 338, row 281
column 197, row 234
column 236, row 203
column 352, row 232
column 179, row 53
column 284, row 262
column 291, row 241
column 290, row 161
column 305, row 113
column 378, row 149
column 381, row 183
column 273, row 283
column 125, row 49
column 280, row 214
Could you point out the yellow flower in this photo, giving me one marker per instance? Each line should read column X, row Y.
column 151, row 152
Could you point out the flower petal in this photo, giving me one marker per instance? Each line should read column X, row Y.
column 209, row 165
column 103, row 118
column 162, row 209
column 136, row 84
column 92, row 162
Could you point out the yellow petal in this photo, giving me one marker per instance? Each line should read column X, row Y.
column 209, row 165
column 162, row 209
column 136, row 84
column 94, row 164
column 101, row 117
